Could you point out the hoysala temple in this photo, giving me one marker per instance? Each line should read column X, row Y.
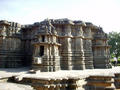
column 58, row 54
column 53, row 45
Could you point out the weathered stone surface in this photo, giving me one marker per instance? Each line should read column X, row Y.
column 76, row 43
column 100, row 82
column 117, row 80
column 11, row 53
column 14, row 86
column 53, row 45
column 92, row 79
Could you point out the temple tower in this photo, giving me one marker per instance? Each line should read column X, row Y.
column 64, row 28
column 101, row 50
column 87, row 46
column 46, row 54
column 53, row 45
column 77, row 46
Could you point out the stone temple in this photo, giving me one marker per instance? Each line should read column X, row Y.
column 53, row 45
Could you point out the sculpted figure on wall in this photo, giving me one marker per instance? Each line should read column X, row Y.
column 87, row 45
column 49, row 25
column 79, row 31
column 46, row 26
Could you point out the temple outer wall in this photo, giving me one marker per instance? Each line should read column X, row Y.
column 53, row 45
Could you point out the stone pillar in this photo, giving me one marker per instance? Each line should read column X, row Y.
column 78, row 59
column 87, row 48
column 101, row 53
column 67, row 30
column 66, row 49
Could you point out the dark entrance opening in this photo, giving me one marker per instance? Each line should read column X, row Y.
column 41, row 51
column 43, row 38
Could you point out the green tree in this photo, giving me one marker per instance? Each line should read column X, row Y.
column 114, row 41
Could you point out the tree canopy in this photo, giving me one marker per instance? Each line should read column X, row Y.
column 114, row 41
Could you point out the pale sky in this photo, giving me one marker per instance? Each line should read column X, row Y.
column 104, row 13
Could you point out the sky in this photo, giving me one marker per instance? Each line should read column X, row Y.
column 104, row 13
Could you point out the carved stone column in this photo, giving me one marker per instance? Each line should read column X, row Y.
column 66, row 50
column 87, row 48
column 78, row 59
column 101, row 53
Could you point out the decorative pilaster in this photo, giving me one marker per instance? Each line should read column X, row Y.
column 66, row 50
column 87, row 48
column 78, row 59
column 101, row 53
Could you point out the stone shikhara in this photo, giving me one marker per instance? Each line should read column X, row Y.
column 53, row 45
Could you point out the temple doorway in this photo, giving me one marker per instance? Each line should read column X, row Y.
column 41, row 51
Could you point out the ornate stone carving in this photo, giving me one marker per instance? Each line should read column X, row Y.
column 74, row 51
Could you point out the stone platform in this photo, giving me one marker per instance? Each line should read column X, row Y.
column 9, row 72
column 14, row 86
column 72, row 73
column 95, row 79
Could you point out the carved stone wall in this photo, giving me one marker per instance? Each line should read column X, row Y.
column 92, row 82
column 53, row 45
column 11, row 54
column 101, row 50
